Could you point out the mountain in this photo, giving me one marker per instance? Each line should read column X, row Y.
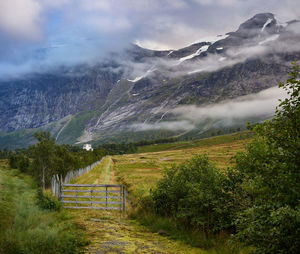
column 141, row 93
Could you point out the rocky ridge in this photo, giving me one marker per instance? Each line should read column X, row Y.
column 142, row 86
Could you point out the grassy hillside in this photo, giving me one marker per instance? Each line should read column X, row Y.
column 140, row 172
column 27, row 228
column 229, row 138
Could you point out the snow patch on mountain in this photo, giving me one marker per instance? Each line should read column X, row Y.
column 197, row 53
column 266, row 24
column 143, row 76
column 271, row 38
column 170, row 52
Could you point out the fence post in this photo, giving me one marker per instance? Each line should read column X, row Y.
column 91, row 196
column 121, row 197
column 105, row 196
column 62, row 193
column 76, row 196
column 124, row 199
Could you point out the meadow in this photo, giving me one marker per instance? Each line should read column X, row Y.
column 110, row 230
column 26, row 226
column 139, row 172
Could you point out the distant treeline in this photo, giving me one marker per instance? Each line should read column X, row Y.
column 156, row 141
column 47, row 158
column 107, row 149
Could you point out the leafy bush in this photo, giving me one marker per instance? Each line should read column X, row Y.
column 270, row 169
column 19, row 161
column 270, row 229
column 195, row 193
column 48, row 201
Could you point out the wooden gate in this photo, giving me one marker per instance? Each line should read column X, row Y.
column 93, row 196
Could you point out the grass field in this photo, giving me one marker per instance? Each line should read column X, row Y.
column 139, row 172
column 25, row 227
column 230, row 138
column 111, row 232
column 100, row 174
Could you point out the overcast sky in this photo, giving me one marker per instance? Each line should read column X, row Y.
column 79, row 30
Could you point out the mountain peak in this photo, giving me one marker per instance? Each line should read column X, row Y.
column 260, row 23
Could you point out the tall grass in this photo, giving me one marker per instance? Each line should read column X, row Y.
column 210, row 244
column 27, row 228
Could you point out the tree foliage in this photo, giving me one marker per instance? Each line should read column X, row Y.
column 46, row 158
column 271, row 171
column 258, row 199
column 197, row 194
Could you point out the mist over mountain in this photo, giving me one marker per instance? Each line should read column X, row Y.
column 138, row 93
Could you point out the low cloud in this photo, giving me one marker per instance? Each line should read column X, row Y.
column 27, row 26
column 262, row 104
column 171, row 125
column 224, row 114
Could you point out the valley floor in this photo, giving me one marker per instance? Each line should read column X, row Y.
column 112, row 231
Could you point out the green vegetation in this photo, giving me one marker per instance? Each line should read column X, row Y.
column 197, row 194
column 201, row 242
column 25, row 227
column 140, row 172
column 46, row 158
column 17, row 139
column 75, row 127
column 257, row 199
column 270, row 168
column 224, row 139
column 196, row 203
column 100, row 174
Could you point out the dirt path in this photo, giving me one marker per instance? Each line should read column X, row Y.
column 113, row 232
column 110, row 233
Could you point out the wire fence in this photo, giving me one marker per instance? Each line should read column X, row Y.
column 56, row 179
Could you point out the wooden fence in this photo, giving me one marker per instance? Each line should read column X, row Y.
column 56, row 180
column 93, row 196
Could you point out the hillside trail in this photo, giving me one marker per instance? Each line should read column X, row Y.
column 112, row 231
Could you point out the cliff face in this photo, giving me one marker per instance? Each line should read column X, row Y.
column 85, row 103
column 39, row 99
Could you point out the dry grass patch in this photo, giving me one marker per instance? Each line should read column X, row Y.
column 140, row 172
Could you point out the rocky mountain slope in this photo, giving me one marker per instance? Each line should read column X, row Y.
column 135, row 94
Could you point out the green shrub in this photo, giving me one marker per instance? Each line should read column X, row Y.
column 196, row 194
column 270, row 169
column 48, row 201
column 19, row 161
column 270, row 229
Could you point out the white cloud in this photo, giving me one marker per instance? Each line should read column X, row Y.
column 171, row 125
column 254, row 105
column 21, row 18
column 55, row 3
column 92, row 5
column 108, row 24
column 225, row 113
column 156, row 24
column 216, row 2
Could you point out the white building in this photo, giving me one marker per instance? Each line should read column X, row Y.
column 88, row 147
